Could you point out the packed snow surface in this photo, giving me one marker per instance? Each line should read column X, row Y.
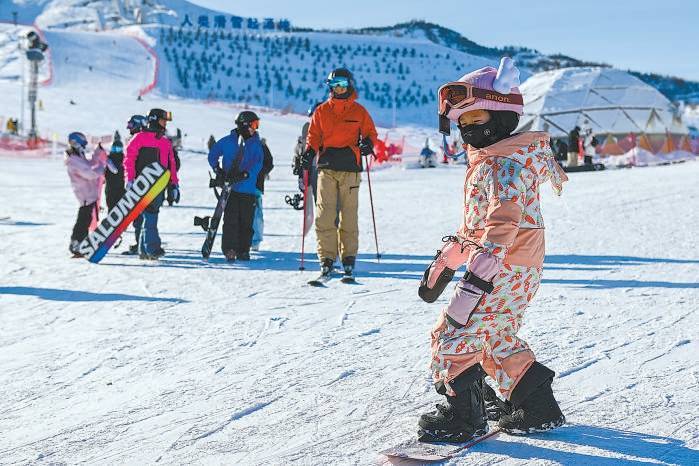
column 183, row 361
column 186, row 362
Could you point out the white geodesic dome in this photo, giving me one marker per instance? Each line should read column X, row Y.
column 612, row 101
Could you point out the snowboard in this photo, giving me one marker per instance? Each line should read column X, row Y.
column 151, row 181
column 210, row 224
column 431, row 452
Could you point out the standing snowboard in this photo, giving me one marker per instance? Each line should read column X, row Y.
column 210, row 223
column 152, row 180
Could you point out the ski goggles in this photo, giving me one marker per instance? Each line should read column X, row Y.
column 458, row 95
column 338, row 82
column 455, row 98
column 254, row 124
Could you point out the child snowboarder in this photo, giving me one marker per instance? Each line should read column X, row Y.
column 135, row 125
column 502, row 242
column 86, row 176
column 243, row 167
column 147, row 146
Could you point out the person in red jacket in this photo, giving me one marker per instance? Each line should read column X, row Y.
column 148, row 146
column 341, row 132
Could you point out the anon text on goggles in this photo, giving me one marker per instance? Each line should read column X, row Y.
column 338, row 82
column 458, row 95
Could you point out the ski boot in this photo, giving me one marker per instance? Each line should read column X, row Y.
column 326, row 267
column 348, row 267
column 535, row 408
column 463, row 416
column 160, row 252
column 148, row 257
column 244, row 256
column 230, row 255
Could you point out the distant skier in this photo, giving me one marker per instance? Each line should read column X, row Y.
column 245, row 166
column 573, row 143
column 340, row 133
column 135, row 125
column 86, row 179
column 151, row 145
column 427, row 156
column 258, row 222
column 502, row 242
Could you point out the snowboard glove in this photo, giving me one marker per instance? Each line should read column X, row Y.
column 482, row 268
column 307, row 159
column 173, row 194
column 445, row 263
column 366, row 147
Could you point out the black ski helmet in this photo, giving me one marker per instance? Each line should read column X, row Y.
column 246, row 117
column 341, row 73
column 154, row 117
column 136, row 124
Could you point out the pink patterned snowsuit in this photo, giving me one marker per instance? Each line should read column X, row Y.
column 501, row 213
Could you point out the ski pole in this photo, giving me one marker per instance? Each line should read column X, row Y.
column 305, row 204
column 371, row 201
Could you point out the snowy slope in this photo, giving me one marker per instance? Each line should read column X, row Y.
column 183, row 362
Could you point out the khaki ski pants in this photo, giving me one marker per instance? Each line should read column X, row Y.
column 338, row 196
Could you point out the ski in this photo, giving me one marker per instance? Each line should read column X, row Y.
column 320, row 281
column 432, row 452
column 348, row 279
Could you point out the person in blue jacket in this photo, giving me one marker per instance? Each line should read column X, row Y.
column 241, row 165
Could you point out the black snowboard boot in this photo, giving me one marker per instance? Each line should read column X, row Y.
column 494, row 406
column 326, row 266
column 462, row 417
column 535, row 408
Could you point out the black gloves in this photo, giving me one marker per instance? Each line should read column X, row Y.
column 222, row 177
column 307, row 158
column 173, row 194
column 366, row 147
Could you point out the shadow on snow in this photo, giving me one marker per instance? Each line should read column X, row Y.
column 54, row 294
column 643, row 448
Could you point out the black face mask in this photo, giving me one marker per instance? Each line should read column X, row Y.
column 499, row 127
column 480, row 136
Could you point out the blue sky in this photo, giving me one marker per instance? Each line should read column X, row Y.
column 653, row 36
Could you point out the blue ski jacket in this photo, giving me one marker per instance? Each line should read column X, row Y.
column 251, row 160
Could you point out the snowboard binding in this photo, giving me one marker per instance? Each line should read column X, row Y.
column 297, row 201
column 202, row 222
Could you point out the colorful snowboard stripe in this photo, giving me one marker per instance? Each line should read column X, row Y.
column 146, row 187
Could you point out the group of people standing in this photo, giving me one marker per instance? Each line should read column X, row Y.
column 148, row 142
column 500, row 240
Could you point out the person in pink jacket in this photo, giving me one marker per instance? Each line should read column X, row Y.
column 501, row 240
column 86, row 178
column 146, row 147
